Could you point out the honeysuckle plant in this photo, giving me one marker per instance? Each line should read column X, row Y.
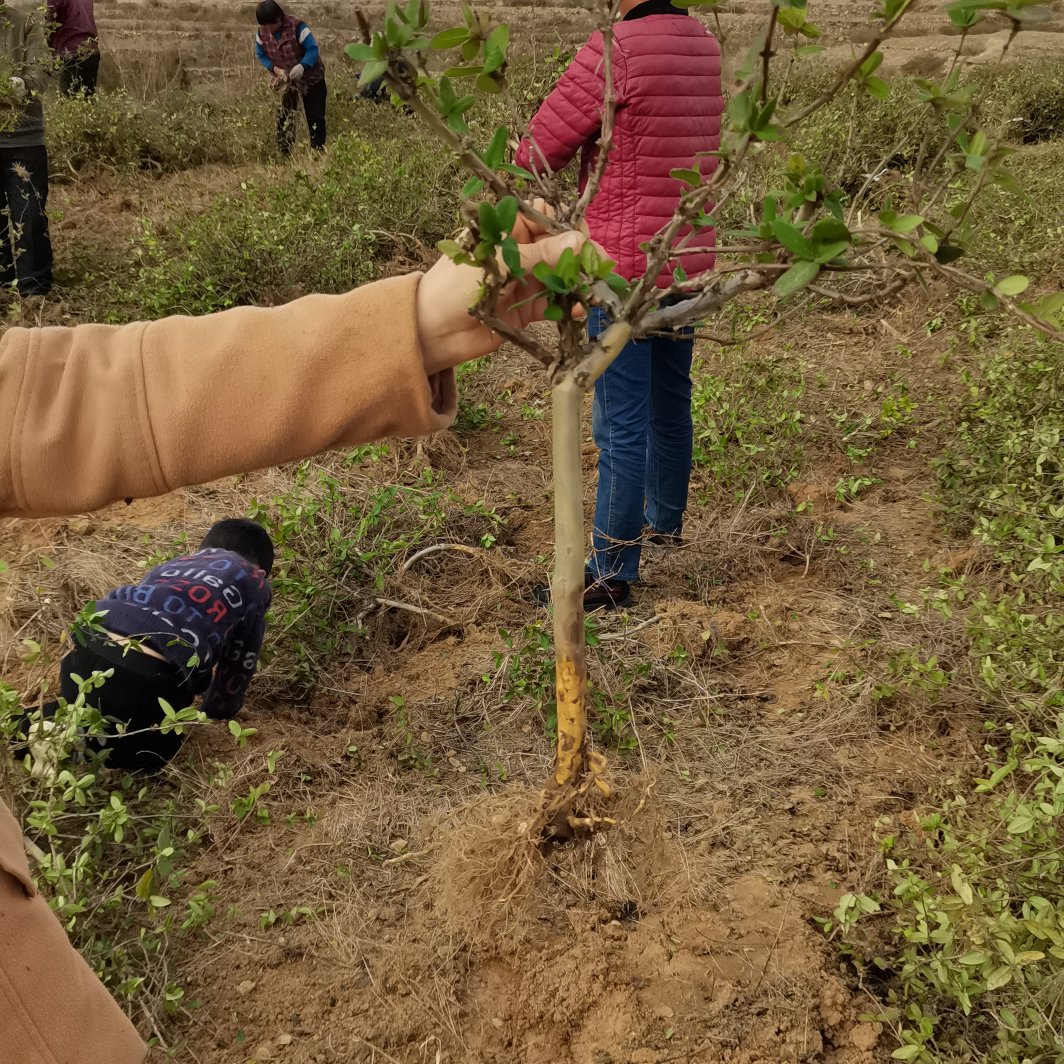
column 809, row 243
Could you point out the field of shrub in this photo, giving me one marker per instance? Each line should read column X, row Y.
column 838, row 709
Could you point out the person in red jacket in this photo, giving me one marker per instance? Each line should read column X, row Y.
column 668, row 98
column 72, row 37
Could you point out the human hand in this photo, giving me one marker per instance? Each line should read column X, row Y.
column 18, row 87
column 448, row 333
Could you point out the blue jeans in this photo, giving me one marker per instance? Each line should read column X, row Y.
column 643, row 429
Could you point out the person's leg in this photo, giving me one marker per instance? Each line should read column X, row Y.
column 620, row 420
column 314, row 107
column 130, row 698
column 26, row 181
column 85, row 73
column 671, row 435
column 68, row 76
column 7, row 261
column 91, row 74
column 286, row 126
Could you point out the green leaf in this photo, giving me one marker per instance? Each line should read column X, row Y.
column 549, row 279
column 144, row 885
column 452, row 249
column 790, row 236
column 472, row 187
column 961, row 885
column 999, row 977
column 499, row 38
column 692, row 177
column 826, row 252
column 450, row 38
column 463, row 72
column 830, row 230
column 877, row 88
column 517, row 171
column 1047, row 308
column 1021, row 823
column 360, row 53
column 487, row 83
column 511, row 255
column 496, row 150
column 900, row 223
column 796, row 278
column 871, row 64
column 507, row 214
column 372, row 71
column 1012, row 286
column 906, row 1053
column 553, row 312
column 490, row 227
column 963, row 19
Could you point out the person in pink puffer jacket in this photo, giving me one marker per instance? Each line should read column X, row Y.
column 669, row 103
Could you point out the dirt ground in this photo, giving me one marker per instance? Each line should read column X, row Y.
column 688, row 934
column 751, row 801
column 213, row 38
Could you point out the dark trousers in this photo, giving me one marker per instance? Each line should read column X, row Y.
column 130, row 697
column 25, row 246
column 78, row 74
column 314, row 109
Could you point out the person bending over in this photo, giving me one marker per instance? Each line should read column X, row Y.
column 288, row 51
column 193, row 626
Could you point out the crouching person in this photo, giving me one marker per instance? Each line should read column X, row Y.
column 193, row 626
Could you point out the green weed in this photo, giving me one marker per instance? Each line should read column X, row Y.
column 748, row 426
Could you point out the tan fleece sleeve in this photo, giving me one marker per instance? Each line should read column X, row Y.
column 97, row 413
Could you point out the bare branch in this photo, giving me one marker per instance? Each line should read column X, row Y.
column 711, row 299
column 518, row 337
column 410, row 608
column 734, row 341
column 475, row 552
column 767, row 54
column 877, row 296
column 981, row 287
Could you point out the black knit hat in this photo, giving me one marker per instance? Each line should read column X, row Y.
column 268, row 12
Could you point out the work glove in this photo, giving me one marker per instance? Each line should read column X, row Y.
column 296, row 72
column 18, row 87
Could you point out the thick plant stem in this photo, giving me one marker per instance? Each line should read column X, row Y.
column 567, row 588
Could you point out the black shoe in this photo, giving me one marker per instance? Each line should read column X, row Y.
column 599, row 594
column 662, row 539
